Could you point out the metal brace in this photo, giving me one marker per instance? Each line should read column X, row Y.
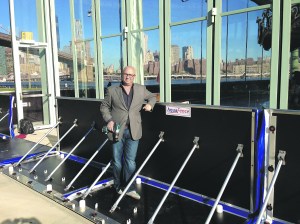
column 240, row 148
column 75, row 122
column 196, row 139
column 161, row 135
column 281, row 156
column 125, row 32
column 213, row 14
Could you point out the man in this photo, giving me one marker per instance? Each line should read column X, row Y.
column 122, row 105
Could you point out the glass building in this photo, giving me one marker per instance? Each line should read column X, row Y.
column 230, row 53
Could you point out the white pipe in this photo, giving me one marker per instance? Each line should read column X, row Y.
column 113, row 208
column 67, row 156
column 37, row 143
column 269, row 191
column 85, row 165
column 151, row 220
column 223, row 188
column 86, row 193
column 32, row 169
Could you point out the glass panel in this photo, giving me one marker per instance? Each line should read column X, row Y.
column 294, row 89
column 7, row 76
column 34, row 81
column 246, row 66
column 4, row 19
column 150, row 17
column 185, row 9
column 28, row 26
column 112, row 60
column 188, row 62
column 84, row 48
column 6, row 60
column 151, row 60
column 86, row 73
column 110, row 17
column 64, row 40
column 230, row 5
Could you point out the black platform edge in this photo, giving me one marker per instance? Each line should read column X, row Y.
column 234, row 210
column 85, row 212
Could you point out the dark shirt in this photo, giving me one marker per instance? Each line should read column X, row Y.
column 128, row 100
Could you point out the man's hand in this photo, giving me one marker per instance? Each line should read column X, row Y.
column 110, row 126
column 147, row 107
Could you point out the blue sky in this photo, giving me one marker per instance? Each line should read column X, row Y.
column 185, row 35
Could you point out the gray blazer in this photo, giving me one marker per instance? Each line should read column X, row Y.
column 114, row 108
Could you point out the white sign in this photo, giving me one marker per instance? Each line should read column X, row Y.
column 178, row 111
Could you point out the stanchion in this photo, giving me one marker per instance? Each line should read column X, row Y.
column 113, row 208
column 86, row 193
column 239, row 149
column 75, row 147
column 59, row 122
column 85, row 165
column 281, row 161
column 70, row 129
column 151, row 220
column 4, row 116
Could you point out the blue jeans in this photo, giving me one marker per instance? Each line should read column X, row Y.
column 123, row 161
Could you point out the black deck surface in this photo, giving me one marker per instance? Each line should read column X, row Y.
column 67, row 170
column 176, row 209
column 14, row 148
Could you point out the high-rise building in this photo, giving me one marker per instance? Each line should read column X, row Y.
column 175, row 50
column 145, row 48
column 78, row 30
column 57, row 33
column 187, row 53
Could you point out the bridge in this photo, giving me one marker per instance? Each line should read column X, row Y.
column 5, row 41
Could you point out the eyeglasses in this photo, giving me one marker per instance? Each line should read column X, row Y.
column 129, row 75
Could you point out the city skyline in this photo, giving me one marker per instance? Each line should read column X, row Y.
column 191, row 35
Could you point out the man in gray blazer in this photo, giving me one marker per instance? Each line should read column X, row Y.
column 122, row 105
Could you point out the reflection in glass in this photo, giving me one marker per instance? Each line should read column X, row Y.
column 110, row 17
column 85, row 63
column 6, row 58
column 84, row 48
column 184, row 10
column 64, row 46
column 188, row 62
column 112, row 60
column 7, row 76
column 246, row 66
column 294, row 89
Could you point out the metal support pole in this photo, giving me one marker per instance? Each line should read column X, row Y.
column 85, row 165
column 239, row 149
column 86, row 193
column 73, row 126
column 4, row 116
column 151, row 220
column 67, row 156
column 113, row 208
column 281, row 158
column 18, row 163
